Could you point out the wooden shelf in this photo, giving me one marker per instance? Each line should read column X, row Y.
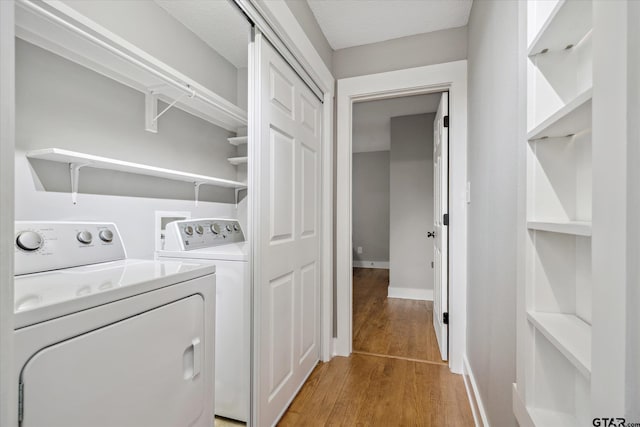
column 237, row 160
column 571, row 119
column 569, row 22
column 237, row 140
column 569, row 334
column 577, row 228
column 61, row 30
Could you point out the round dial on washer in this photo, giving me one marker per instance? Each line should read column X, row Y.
column 84, row 237
column 199, row 229
column 106, row 236
column 215, row 228
column 235, row 227
column 228, row 227
column 189, row 230
column 29, row 241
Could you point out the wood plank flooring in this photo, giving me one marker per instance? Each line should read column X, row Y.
column 404, row 384
column 390, row 326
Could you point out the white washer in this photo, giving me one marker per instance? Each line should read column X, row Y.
column 102, row 340
column 222, row 241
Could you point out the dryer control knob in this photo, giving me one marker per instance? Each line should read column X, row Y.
column 199, row 229
column 84, row 237
column 228, row 227
column 106, row 236
column 189, row 230
column 235, row 227
column 215, row 228
column 29, row 241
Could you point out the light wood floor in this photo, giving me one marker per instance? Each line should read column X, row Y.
column 383, row 390
column 390, row 326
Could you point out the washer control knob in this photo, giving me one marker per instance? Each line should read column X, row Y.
column 189, row 230
column 228, row 227
column 106, row 236
column 215, row 228
column 199, row 229
column 84, row 237
column 29, row 241
column 236, row 227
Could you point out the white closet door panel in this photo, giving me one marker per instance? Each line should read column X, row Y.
column 143, row 371
column 287, row 273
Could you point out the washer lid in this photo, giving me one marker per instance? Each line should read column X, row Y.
column 45, row 296
column 229, row 252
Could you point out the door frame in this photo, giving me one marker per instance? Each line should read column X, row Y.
column 451, row 77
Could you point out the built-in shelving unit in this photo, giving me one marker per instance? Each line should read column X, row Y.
column 558, row 282
column 76, row 161
column 63, row 31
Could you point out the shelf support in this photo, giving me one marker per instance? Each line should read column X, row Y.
column 151, row 114
column 74, row 172
column 196, row 187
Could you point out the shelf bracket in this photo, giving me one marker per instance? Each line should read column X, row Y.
column 151, row 114
column 196, row 187
column 74, row 172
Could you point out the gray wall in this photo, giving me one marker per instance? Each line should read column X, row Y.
column 371, row 205
column 61, row 104
column 397, row 54
column 493, row 212
column 309, row 24
column 411, row 215
column 151, row 28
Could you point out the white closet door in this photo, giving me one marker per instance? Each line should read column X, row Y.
column 145, row 371
column 441, row 208
column 287, row 258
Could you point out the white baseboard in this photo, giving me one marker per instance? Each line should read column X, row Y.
column 477, row 408
column 371, row 264
column 411, row 293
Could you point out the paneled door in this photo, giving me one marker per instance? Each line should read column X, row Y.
column 440, row 218
column 286, row 179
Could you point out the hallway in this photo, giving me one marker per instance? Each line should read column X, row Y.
column 394, row 376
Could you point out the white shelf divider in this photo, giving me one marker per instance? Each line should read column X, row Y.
column 237, row 160
column 546, row 418
column 569, row 22
column 79, row 160
column 569, row 334
column 571, row 119
column 577, row 228
column 237, row 140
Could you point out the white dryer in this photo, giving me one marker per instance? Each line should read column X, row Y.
column 102, row 340
column 222, row 242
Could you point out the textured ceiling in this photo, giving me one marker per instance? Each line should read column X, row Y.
column 347, row 23
column 219, row 23
column 372, row 119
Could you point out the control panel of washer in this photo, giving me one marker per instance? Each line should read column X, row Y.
column 192, row 234
column 44, row 246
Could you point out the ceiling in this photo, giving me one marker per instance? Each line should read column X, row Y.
column 372, row 119
column 347, row 23
column 218, row 23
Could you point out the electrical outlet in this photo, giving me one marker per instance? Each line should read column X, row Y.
column 359, row 250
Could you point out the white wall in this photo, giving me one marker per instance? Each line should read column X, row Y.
column 411, row 213
column 61, row 104
column 406, row 52
column 370, row 198
column 494, row 109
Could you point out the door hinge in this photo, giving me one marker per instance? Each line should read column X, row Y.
column 445, row 318
column 445, row 219
column 20, row 402
column 431, row 264
column 445, row 121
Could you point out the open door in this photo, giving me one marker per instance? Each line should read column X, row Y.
column 286, row 181
column 441, row 222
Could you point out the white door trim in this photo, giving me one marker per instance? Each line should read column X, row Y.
column 8, row 387
column 451, row 76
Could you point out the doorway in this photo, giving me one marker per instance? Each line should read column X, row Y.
column 393, row 188
column 432, row 79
